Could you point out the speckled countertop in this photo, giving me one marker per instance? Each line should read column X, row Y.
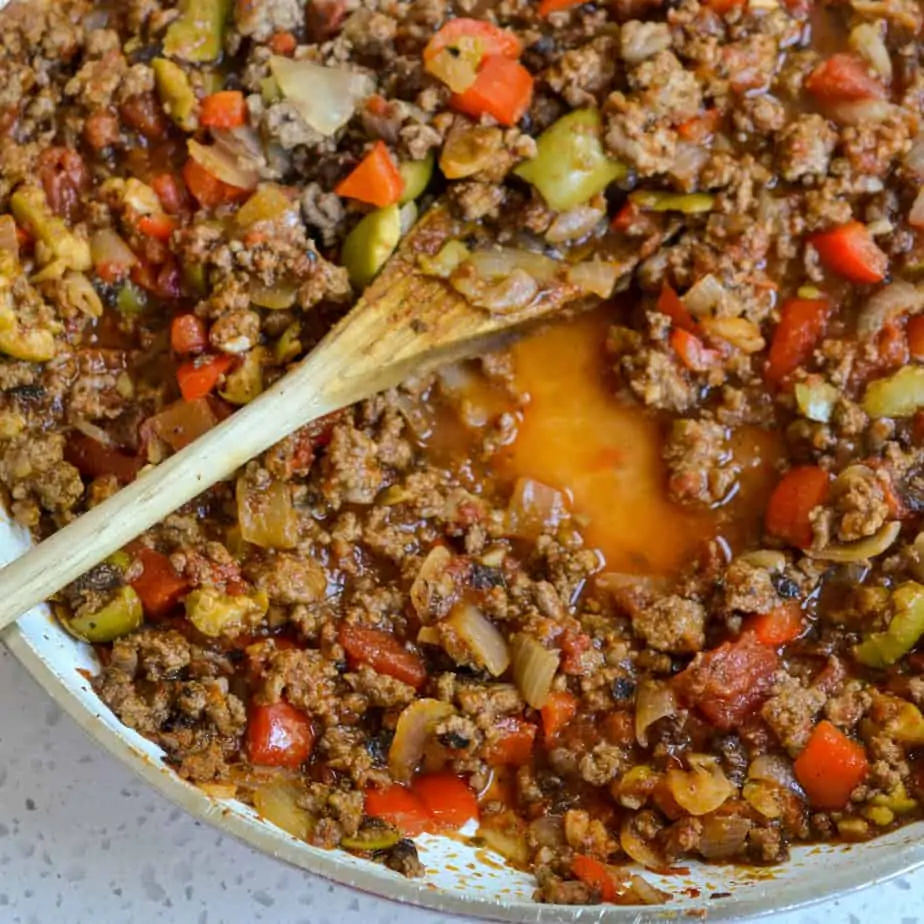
column 82, row 840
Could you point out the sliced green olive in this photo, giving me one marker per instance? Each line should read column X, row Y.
column 374, row 834
column 898, row 395
column 175, row 92
column 880, row 649
column 123, row 614
column 288, row 346
column 131, row 299
column 416, row 175
column 657, row 201
column 246, row 382
column 570, row 166
column 370, row 244
column 31, row 210
column 33, row 346
column 214, row 613
column 197, row 34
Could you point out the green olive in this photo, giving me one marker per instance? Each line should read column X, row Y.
column 123, row 614
column 370, row 244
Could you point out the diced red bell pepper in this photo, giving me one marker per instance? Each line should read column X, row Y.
column 692, row 351
column 383, row 653
column 208, row 190
column 503, row 89
column 198, row 377
column 779, row 626
column 279, row 735
column 159, row 587
column 851, row 252
column 802, row 324
column 170, row 192
column 448, row 799
column 789, row 509
column 915, row 334
column 159, row 226
column 555, row 6
column 224, row 109
column 830, row 767
column 375, row 180
column 399, row 807
column 513, row 744
column 670, row 303
column 597, row 875
column 557, row 712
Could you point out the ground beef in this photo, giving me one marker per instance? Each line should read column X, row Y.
column 671, row 624
column 700, row 463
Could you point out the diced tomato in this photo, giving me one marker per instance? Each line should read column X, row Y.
column 324, row 18
column 224, row 109
column 851, row 252
column 159, row 586
column 503, row 89
column 383, row 653
column 554, row 6
column 513, row 744
column 112, row 272
column 728, row 683
column 692, row 352
column 279, row 735
column 375, row 180
column 144, row 113
column 197, row 377
column 399, row 807
column 597, row 875
column 557, row 712
column 208, row 190
column 573, row 645
column 92, row 459
column 64, row 178
column 843, row 78
column 170, row 192
column 781, row 625
column 802, row 323
column 159, row 226
column 830, row 767
column 670, row 303
column 701, row 128
column 789, row 509
column 625, row 217
column 449, row 800
column 188, row 334
column 461, row 32
column 915, row 334
column 283, row 43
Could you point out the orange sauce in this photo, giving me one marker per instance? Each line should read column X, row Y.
column 604, row 451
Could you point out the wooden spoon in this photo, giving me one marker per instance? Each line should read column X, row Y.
column 404, row 322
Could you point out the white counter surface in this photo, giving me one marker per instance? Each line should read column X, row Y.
column 82, row 840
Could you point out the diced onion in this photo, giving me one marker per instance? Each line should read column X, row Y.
column 181, row 423
column 534, row 668
column 108, row 249
column 415, row 724
column 856, row 112
column 640, row 849
column 79, row 293
column 424, row 592
column 140, row 197
column 870, row 547
column 773, row 768
column 739, row 332
column 480, row 638
column 707, row 296
column 325, row 97
column 816, row 399
column 867, row 40
column 277, row 297
column 534, row 508
column 703, row 788
column 506, row 836
column 723, row 836
column 469, row 149
column 94, row 432
column 654, row 701
column 763, row 797
column 595, row 277
column 278, row 802
column 575, row 223
column 898, row 395
column 891, row 302
column 266, row 514
column 224, row 165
